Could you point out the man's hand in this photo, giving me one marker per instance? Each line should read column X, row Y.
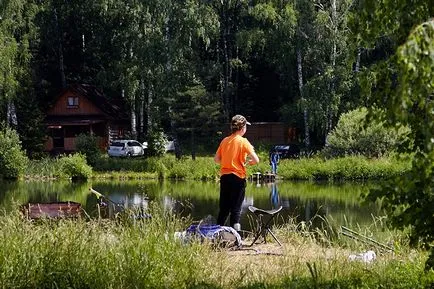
column 252, row 159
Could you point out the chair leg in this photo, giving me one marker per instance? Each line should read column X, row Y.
column 263, row 230
column 258, row 231
column 256, row 238
column 272, row 234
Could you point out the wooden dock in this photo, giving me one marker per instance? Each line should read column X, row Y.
column 263, row 178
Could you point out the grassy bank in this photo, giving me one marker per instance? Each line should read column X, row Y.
column 143, row 254
column 204, row 168
column 346, row 168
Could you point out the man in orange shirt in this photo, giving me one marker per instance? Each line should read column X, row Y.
column 232, row 155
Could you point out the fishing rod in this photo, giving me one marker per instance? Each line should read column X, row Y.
column 359, row 237
column 141, row 215
column 99, row 195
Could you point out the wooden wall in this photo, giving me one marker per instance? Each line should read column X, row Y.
column 268, row 132
column 69, row 144
column 85, row 107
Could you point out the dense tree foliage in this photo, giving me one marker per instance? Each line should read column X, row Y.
column 271, row 60
column 403, row 82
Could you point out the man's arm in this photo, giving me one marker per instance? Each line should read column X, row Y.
column 254, row 159
column 217, row 158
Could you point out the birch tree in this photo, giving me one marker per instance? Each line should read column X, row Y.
column 10, row 16
column 192, row 26
column 16, row 32
column 304, row 41
column 230, row 13
column 330, row 83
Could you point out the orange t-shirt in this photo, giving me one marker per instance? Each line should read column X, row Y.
column 233, row 151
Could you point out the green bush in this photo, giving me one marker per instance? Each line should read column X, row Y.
column 353, row 135
column 75, row 167
column 13, row 159
column 88, row 146
column 156, row 143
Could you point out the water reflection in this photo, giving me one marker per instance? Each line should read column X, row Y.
column 302, row 201
column 274, row 196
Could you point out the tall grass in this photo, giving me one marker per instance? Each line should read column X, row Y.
column 96, row 254
column 345, row 168
column 167, row 166
column 45, row 168
column 316, row 168
column 131, row 253
column 72, row 166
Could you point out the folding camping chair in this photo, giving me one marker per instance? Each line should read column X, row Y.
column 263, row 223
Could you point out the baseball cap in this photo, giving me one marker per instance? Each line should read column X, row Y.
column 238, row 122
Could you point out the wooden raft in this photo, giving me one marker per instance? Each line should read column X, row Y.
column 51, row 210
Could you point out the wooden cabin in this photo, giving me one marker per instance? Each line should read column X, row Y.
column 268, row 132
column 83, row 109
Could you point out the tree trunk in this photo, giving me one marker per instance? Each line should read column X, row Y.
column 149, row 109
column 133, row 119
column 178, row 152
column 220, row 84
column 142, row 109
column 60, row 51
column 227, row 103
column 237, row 78
column 329, row 110
column 335, row 27
column 357, row 66
column 303, row 101
column 223, row 47
column 193, row 150
column 329, row 107
column 11, row 114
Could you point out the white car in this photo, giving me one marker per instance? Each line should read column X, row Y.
column 169, row 146
column 125, row 148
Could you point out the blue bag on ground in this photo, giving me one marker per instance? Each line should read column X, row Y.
column 220, row 235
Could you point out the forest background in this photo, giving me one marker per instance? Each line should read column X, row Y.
column 186, row 67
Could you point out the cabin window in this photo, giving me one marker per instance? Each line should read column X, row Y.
column 72, row 102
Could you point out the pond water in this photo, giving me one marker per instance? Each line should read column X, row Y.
column 301, row 201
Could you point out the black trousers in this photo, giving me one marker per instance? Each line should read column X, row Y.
column 232, row 191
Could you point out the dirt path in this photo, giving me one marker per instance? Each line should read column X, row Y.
column 269, row 261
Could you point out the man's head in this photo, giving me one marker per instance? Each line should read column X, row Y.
column 238, row 122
